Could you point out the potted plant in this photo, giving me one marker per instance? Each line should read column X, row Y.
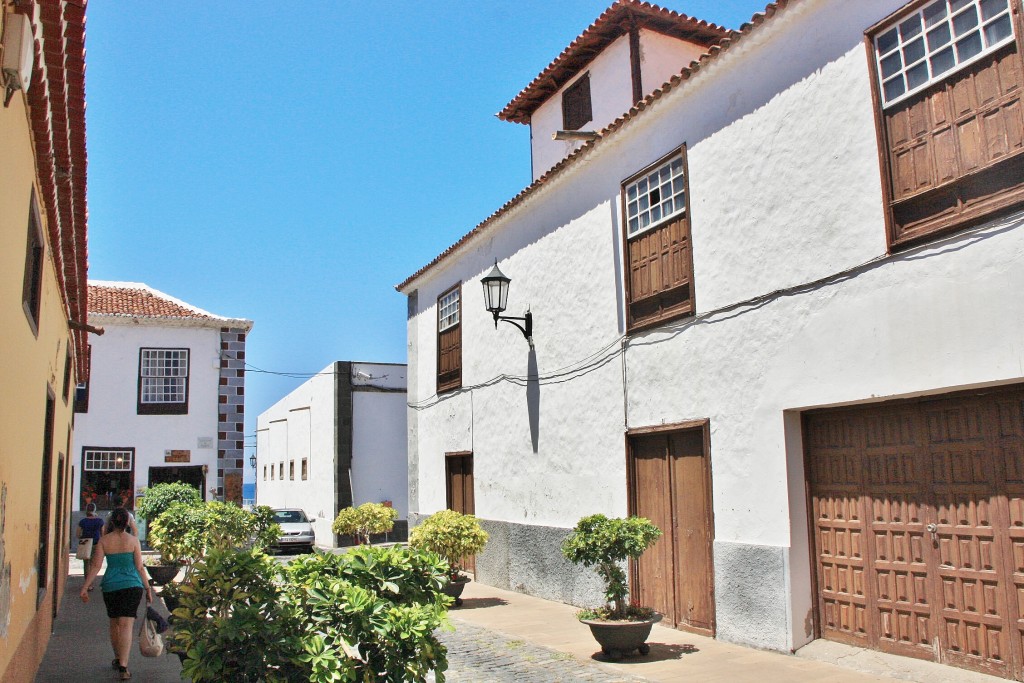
column 161, row 570
column 364, row 521
column 453, row 536
column 606, row 543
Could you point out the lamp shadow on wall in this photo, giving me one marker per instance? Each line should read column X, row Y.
column 533, row 398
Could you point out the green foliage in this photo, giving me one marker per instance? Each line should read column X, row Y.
column 157, row 499
column 607, row 543
column 233, row 625
column 365, row 520
column 185, row 533
column 450, row 534
column 369, row 615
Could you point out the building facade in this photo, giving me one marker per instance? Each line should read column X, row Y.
column 165, row 401
column 773, row 310
column 42, row 312
column 338, row 440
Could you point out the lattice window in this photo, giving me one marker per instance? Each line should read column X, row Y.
column 656, row 196
column 937, row 40
column 98, row 460
column 448, row 310
column 163, row 379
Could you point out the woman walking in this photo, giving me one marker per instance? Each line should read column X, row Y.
column 123, row 584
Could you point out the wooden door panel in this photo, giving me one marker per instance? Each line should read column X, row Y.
column 692, row 535
column 943, row 484
column 840, row 524
column 655, row 569
column 459, row 474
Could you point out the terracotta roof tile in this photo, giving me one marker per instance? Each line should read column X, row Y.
column 676, row 81
column 137, row 300
column 614, row 22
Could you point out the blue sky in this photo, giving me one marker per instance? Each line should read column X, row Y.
column 292, row 163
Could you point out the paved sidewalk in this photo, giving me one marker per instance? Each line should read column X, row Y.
column 505, row 616
column 79, row 649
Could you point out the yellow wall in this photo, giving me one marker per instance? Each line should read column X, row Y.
column 28, row 365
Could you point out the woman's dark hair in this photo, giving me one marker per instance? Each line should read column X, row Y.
column 119, row 519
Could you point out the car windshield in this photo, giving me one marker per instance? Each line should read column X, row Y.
column 289, row 516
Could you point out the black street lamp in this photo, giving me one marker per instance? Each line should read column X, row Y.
column 495, row 285
column 252, row 462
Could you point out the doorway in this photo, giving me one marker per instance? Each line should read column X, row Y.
column 190, row 474
column 459, row 491
column 670, row 484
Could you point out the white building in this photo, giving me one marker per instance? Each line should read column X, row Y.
column 775, row 310
column 165, row 400
column 338, row 440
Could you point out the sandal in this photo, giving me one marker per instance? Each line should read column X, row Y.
column 125, row 673
column 116, row 664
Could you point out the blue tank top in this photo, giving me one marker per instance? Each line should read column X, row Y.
column 121, row 573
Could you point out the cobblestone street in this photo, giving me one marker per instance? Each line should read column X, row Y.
column 484, row 656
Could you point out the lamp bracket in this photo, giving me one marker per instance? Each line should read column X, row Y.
column 526, row 328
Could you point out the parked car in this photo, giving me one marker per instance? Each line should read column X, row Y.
column 296, row 530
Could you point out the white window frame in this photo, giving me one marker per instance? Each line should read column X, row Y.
column 926, row 56
column 163, row 382
column 448, row 310
column 106, row 460
column 644, row 210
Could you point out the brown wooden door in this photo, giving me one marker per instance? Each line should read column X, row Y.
column 459, row 484
column 670, row 477
column 919, row 524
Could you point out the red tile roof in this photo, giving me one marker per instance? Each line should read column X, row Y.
column 136, row 300
column 614, row 22
column 676, row 81
column 56, row 102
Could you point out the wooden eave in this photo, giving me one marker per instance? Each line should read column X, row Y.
column 677, row 81
column 615, row 22
column 56, row 103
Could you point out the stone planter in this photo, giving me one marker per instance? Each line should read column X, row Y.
column 161, row 574
column 619, row 638
column 454, row 588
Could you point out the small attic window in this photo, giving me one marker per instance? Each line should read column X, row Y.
column 576, row 111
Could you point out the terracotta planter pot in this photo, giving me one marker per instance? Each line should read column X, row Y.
column 454, row 588
column 619, row 638
column 162, row 573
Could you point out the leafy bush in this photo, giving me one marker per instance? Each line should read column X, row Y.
column 364, row 616
column 157, row 499
column 452, row 535
column 365, row 520
column 185, row 533
column 607, row 543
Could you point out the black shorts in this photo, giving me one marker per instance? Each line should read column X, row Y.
column 123, row 603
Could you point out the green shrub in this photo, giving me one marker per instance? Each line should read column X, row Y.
column 450, row 534
column 607, row 543
column 185, row 533
column 369, row 615
column 157, row 499
column 365, row 520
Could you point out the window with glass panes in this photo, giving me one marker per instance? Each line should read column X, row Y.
column 107, row 476
column 449, row 339
column 657, row 233
column 948, row 78
column 163, row 380
column 928, row 44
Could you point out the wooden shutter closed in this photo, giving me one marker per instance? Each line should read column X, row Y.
column 659, row 273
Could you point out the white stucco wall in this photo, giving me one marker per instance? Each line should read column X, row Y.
column 662, row 57
column 380, row 469
column 787, row 213
column 302, row 425
column 113, row 420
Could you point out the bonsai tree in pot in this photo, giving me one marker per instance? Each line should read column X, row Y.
column 606, row 543
column 453, row 536
column 364, row 521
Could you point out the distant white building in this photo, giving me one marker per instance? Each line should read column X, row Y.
column 165, row 399
column 338, row 440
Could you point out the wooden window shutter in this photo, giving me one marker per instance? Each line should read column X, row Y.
column 576, row 109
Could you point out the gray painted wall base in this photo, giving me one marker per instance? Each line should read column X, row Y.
column 528, row 559
column 751, row 595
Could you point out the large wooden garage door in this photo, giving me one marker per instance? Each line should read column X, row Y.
column 919, row 528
